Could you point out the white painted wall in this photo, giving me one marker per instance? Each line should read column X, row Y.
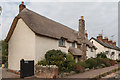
column 21, row 45
column 101, row 48
column 43, row 44
column 90, row 54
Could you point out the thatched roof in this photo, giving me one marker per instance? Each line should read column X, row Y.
column 41, row 25
column 75, row 51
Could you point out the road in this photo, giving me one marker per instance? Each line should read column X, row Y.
column 93, row 73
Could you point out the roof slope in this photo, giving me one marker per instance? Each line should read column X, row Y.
column 75, row 51
column 46, row 27
column 106, row 44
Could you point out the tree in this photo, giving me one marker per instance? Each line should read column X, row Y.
column 4, row 50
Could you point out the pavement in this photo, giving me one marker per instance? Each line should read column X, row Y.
column 88, row 74
column 93, row 73
column 7, row 74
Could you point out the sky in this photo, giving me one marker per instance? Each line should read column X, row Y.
column 100, row 17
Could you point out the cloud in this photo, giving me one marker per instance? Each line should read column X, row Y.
column 98, row 15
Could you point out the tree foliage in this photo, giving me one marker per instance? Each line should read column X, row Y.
column 4, row 50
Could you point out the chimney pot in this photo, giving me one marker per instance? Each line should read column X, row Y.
column 110, row 42
column 21, row 6
column 114, row 43
column 82, row 17
column 100, row 37
column 22, row 2
column 105, row 39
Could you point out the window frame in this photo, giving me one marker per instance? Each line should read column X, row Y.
column 91, row 49
column 62, row 42
column 73, row 44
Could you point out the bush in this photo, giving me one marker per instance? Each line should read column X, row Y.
column 101, row 55
column 101, row 62
column 56, row 57
column 92, row 63
column 69, row 63
column 107, row 62
column 78, row 68
column 83, row 64
column 42, row 62
column 112, row 62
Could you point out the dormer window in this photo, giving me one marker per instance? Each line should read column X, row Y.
column 73, row 44
column 62, row 42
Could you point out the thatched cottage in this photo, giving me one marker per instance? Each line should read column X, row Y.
column 32, row 35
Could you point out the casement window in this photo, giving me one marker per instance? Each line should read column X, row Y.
column 119, row 54
column 107, row 52
column 62, row 42
column 112, row 53
column 91, row 49
column 73, row 44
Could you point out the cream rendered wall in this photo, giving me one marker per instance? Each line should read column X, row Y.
column 90, row 54
column 103, row 49
column 43, row 44
column 100, row 48
column 21, row 45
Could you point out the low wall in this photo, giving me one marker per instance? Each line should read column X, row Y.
column 48, row 71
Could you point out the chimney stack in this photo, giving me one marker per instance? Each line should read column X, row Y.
column 105, row 39
column 100, row 37
column 21, row 6
column 114, row 43
column 82, row 28
column 110, row 42
column 82, row 37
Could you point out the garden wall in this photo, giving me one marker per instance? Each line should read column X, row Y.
column 48, row 71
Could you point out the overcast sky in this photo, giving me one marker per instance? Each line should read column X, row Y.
column 99, row 16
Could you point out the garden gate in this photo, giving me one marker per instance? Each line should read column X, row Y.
column 26, row 68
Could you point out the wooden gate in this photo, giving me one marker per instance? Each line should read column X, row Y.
column 26, row 68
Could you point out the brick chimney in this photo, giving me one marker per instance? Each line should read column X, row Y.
column 21, row 6
column 100, row 37
column 114, row 43
column 105, row 39
column 82, row 37
column 110, row 42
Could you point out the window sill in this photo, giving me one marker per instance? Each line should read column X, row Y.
column 63, row 46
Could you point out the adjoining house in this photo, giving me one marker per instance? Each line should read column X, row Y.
column 105, row 45
column 32, row 35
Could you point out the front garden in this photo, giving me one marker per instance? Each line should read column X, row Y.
column 66, row 63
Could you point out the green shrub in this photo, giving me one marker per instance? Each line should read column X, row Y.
column 92, row 63
column 78, row 68
column 42, row 62
column 101, row 55
column 103, row 65
column 83, row 64
column 107, row 62
column 69, row 63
